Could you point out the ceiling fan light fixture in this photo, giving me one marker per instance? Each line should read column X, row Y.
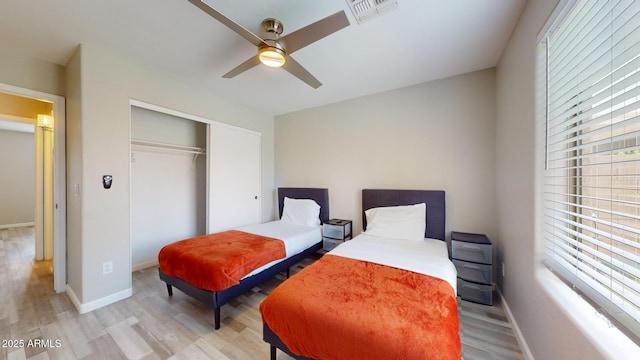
column 272, row 56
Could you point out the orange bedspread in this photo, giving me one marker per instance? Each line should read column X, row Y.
column 218, row 261
column 339, row 308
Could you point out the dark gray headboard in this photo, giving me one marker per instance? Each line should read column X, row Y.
column 434, row 199
column 320, row 195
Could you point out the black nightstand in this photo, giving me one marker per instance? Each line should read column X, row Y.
column 334, row 232
column 472, row 255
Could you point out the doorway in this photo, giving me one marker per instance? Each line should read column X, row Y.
column 49, row 139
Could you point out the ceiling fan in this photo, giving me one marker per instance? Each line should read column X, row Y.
column 275, row 50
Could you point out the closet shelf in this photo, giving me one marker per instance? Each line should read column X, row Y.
column 152, row 145
column 165, row 146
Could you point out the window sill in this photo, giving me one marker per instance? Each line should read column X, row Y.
column 611, row 342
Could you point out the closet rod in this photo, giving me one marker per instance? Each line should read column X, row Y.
column 170, row 147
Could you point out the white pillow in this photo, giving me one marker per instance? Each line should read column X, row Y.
column 397, row 222
column 301, row 211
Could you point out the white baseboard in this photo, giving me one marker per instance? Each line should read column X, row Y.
column 516, row 329
column 144, row 265
column 96, row 304
column 8, row 226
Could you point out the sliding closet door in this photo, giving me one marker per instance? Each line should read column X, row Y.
column 234, row 177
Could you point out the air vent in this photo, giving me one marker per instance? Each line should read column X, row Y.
column 365, row 10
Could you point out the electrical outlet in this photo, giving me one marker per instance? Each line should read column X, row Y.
column 503, row 270
column 107, row 267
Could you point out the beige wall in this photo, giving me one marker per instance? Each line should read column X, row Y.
column 437, row 135
column 17, row 178
column 30, row 73
column 548, row 331
column 100, row 86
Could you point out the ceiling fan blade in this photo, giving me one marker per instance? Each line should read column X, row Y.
column 239, row 29
column 314, row 32
column 300, row 72
column 253, row 61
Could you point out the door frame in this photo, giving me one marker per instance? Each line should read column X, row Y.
column 59, row 180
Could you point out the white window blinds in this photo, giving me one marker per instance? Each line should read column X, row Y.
column 592, row 155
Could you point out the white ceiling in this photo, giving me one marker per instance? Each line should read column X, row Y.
column 422, row 40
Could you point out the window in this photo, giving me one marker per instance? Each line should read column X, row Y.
column 591, row 186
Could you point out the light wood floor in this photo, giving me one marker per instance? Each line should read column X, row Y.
column 36, row 323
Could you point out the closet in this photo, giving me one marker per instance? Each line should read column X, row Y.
column 189, row 177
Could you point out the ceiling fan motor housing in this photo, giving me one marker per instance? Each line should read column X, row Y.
column 272, row 53
column 272, row 28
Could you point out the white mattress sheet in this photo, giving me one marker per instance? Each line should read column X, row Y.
column 296, row 237
column 428, row 257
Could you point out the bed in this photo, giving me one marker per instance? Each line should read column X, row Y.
column 183, row 266
column 358, row 302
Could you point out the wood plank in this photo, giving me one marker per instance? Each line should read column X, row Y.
column 128, row 340
column 152, row 325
